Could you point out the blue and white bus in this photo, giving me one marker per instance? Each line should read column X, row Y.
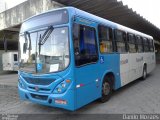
column 69, row 58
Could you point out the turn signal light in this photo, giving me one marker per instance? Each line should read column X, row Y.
column 68, row 81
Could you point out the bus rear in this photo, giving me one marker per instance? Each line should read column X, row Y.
column 46, row 74
column 10, row 61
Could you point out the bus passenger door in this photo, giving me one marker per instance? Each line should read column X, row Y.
column 86, row 62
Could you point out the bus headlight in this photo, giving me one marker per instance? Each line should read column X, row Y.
column 62, row 87
column 59, row 90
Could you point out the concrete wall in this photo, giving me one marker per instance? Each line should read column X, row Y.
column 18, row 14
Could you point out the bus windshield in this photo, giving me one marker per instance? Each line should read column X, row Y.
column 44, row 51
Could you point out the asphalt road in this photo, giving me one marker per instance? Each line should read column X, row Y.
column 136, row 97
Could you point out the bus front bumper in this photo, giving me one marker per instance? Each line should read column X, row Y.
column 65, row 100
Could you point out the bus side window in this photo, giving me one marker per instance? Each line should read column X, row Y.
column 132, row 43
column 146, row 45
column 105, row 39
column 139, row 44
column 120, row 38
column 85, row 47
column 15, row 56
column 148, row 42
column 151, row 45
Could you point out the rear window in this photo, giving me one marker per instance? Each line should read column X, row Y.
column 15, row 57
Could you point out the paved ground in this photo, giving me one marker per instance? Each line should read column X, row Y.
column 137, row 97
column 8, row 79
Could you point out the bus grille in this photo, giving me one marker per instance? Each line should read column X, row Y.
column 40, row 89
column 40, row 97
column 39, row 81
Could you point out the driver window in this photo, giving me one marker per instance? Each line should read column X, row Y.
column 85, row 47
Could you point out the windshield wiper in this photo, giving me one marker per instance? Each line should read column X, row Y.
column 44, row 38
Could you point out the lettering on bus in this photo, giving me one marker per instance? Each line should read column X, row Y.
column 124, row 61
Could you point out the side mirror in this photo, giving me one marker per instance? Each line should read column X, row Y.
column 24, row 47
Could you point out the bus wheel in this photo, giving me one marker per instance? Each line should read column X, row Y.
column 144, row 72
column 106, row 89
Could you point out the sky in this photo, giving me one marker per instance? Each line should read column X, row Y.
column 149, row 9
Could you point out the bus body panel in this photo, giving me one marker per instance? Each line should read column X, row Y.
column 131, row 65
column 91, row 78
column 111, row 61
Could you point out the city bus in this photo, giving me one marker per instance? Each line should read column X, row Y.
column 69, row 58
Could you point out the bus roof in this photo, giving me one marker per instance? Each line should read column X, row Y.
column 109, row 23
column 97, row 19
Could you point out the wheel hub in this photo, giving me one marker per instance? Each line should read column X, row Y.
column 106, row 88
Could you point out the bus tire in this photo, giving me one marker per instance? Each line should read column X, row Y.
column 144, row 76
column 107, row 87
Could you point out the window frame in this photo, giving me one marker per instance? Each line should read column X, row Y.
column 96, row 44
column 131, row 42
column 151, row 45
column 111, row 40
column 148, row 41
column 124, row 41
column 138, row 43
column 146, row 44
